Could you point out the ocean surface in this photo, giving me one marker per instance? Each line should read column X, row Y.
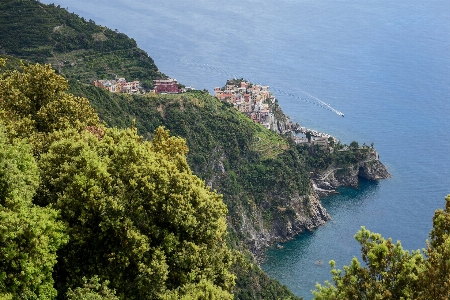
column 384, row 64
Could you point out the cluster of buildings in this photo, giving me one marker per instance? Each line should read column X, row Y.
column 119, row 85
column 252, row 100
column 161, row 86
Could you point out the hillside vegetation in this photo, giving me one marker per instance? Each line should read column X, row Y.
column 77, row 48
column 253, row 167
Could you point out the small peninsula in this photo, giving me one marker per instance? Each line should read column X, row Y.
column 331, row 165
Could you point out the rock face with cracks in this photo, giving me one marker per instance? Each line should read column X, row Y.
column 298, row 214
column 371, row 169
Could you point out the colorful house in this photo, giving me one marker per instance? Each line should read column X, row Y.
column 169, row 86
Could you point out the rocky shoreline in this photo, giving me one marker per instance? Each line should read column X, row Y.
column 328, row 181
column 308, row 215
column 308, row 210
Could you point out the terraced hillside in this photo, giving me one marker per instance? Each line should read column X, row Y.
column 77, row 48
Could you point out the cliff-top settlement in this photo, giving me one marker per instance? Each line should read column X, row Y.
column 251, row 99
column 257, row 103
column 161, row 86
column 119, row 85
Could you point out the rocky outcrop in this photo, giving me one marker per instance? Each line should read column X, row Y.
column 281, row 124
column 371, row 169
column 285, row 126
column 262, row 219
column 216, row 166
column 290, row 216
column 296, row 215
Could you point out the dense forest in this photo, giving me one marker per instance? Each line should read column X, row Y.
column 84, row 206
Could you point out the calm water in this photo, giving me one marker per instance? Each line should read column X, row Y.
column 384, row 64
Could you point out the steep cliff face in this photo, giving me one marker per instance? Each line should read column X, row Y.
column 269, row 218
column 297, row 214
column 285, row 126
column 277, row 216
column 371, row 169
column 280, row 123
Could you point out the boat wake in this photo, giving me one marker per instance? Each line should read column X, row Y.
column 339, row 113
column 317, row 101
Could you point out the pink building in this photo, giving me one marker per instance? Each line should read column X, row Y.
column 166, row 86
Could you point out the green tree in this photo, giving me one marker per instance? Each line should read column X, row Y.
column 389, row 272
column 34, row 100
column 204, row 290
column 354, row 145
column 308, row 136
column 92, row 290
column 435, row 279
column 135, row 214
column 393, row 273
column 29, row 235
column 331, row 141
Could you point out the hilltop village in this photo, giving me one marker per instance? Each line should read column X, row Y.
column 258, row 103
column 161, row 86
column 120, row 85
column 251, row 99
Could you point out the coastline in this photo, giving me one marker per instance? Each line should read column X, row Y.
column 327, row 165
column 323, row 184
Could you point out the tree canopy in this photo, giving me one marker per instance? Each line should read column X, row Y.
column 389, row 272
column 29, row 235
column 98, row 212
column 35, row 101
column 136, row 215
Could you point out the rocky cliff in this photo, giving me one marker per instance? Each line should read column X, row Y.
column 290, row 215
column 334, row 177
column 299, row 213
column 295, row 215
column 273, row 216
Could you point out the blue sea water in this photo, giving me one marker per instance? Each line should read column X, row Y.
column 384, row 64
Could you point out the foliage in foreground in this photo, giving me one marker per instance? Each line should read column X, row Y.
column 393, row 273
column 99, row 203
column 29, row 234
